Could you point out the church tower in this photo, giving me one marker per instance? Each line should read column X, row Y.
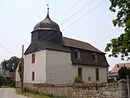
column 45, row 35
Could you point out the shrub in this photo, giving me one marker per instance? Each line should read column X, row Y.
column 123, row 72
column 78, row 80
column 10, row 82
column 2, row 81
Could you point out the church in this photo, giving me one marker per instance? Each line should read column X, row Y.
column 54, row 59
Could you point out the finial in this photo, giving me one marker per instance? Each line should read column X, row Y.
column 47, row 10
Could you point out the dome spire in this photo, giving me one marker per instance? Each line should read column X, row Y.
column 48, row 11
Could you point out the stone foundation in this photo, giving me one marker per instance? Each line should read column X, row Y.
column 104, row 90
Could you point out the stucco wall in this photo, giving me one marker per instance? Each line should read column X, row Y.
column 56, row 67
column 60, row 69
column 39, row 68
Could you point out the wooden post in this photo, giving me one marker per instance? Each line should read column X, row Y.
column 22, row 68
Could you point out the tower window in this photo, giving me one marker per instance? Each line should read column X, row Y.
column 33, row 76
column 97, row 74
column 33, row 58
column 77, row 54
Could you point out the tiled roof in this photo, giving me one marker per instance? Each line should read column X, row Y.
column 79, row 44
column 118, row 66
column 12, row 74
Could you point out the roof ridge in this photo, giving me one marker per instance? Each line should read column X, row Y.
column 84, row 43
column 76, row 40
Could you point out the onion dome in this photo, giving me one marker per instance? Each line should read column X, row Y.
column 47, row 24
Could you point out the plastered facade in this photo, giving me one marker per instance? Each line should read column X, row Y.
column 55, row 67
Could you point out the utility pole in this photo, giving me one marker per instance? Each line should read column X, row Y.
column 22, row 67
column 128, row 86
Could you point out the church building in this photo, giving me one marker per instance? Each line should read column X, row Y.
column 54, row 59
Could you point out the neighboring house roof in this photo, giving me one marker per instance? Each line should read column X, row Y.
column 79, row 44
column 12, row 74
column 6, row 73
column 118, row 66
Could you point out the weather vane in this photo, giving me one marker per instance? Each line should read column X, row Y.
column 47, row 6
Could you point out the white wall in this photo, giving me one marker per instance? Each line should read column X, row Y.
column 56, row 67
column 60, row 69
column 39, row 67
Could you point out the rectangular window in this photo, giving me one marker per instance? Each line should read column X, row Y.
column 95, row 58
column 33, row 58
column 89, row 78
column 97, row 74
column 33, row 76
column 77, row 54
column 80, row 72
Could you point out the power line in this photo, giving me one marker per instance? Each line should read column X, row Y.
column 72, row 7
column 99, row 4
column 6, row 49
column 86, row 5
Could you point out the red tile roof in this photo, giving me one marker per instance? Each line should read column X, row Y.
column 12, row 74
column 118, row 66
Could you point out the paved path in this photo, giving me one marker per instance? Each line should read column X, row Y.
column 10, row 93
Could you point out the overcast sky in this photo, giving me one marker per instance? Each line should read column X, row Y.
column 85, row 20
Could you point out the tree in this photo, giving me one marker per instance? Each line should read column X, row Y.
column 120, row 46
column 123, row 72
column 2, row 80
column 10, row 64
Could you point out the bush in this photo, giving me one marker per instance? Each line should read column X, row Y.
column 123, row 72
column 2, row 81
column 78, row 80
column 10, row 83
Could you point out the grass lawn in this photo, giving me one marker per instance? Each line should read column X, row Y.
column 19, row 91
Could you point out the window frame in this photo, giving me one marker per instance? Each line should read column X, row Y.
column 33, row 76
column 33, row 58
column 97, row 74
column 77, row 54
column 95, row 57
column 80, row 72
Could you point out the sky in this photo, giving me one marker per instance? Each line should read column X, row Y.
column 85, row 20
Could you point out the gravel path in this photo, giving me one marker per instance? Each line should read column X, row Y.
column 10, row 93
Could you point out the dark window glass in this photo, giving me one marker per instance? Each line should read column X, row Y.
column 80, row 72
column 77, row 54
column 89, row 78
column 97, row 74
column 95, row 58
column 33, row 76
column 33, row 58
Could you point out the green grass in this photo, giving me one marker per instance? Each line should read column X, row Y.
column 19, row 91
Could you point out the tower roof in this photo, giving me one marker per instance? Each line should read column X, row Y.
column 47, row 24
